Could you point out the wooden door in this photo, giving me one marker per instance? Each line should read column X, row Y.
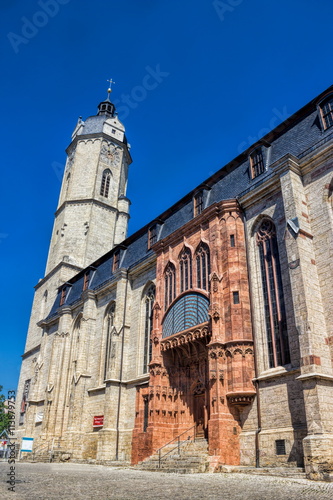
column 199, row 414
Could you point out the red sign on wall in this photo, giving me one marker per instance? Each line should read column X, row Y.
column 98, row 421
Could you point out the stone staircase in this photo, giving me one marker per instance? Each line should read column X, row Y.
column 45, row 455
column 192, row 456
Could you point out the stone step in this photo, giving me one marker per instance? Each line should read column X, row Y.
column 175, row 471
column 173, row 463
column 293, row 472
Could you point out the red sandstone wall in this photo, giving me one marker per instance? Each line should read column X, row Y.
column 208, row 369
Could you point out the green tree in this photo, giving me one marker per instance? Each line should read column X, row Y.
column 4, row 417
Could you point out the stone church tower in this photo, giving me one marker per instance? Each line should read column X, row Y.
column 93, row 210
column 91, row 218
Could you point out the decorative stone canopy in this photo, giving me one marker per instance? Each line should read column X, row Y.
column 185, row 337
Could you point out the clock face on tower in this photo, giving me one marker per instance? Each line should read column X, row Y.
column 110, row 154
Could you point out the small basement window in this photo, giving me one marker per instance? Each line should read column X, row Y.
column 280, row 445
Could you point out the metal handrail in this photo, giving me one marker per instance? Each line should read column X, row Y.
column 159, row 451
column 47, row 448
column 41, row 447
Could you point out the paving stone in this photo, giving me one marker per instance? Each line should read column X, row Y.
column 82, row 482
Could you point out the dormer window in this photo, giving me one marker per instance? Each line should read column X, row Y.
column 257, row 163
column 86, row 281
column 198, row 203
column 116, row 261
column 63, row 295
column 326, row 109
column 152, row 236
column 87, row 278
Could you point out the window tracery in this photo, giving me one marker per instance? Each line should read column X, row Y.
column 275, row 316
column 169, row 284
column 110, row 346
column 185, row 268
column 203, row 266
column 148, row 308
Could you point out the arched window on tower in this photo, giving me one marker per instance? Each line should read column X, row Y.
column 275, row 316
column 169, row 284
column 185, row 268
column 148, row 301
column 110, row 346
column 202, row 258
column 105, row 184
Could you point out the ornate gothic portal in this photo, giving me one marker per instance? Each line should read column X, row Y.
column 202, row 363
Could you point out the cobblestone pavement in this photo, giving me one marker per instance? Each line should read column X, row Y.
column 74, row 481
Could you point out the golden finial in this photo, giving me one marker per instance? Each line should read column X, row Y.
column 110, row 82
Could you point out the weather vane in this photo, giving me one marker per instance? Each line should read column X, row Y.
column 110, row 87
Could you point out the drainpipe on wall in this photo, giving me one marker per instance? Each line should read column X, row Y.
column 121, row 369
column 258, row 430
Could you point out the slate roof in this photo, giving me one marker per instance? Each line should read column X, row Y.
column 300, row 132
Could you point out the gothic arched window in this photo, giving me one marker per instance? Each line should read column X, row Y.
column 105, row 184
column 275, row 316
column 169, row 284
column 148, row 308
column 110, row 347
column 185, row 268
column 203, row 266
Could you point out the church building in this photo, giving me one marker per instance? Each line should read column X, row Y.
column 213, row 321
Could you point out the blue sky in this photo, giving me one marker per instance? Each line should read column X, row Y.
column 226, row 72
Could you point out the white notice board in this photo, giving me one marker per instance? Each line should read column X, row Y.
column 27, row 444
